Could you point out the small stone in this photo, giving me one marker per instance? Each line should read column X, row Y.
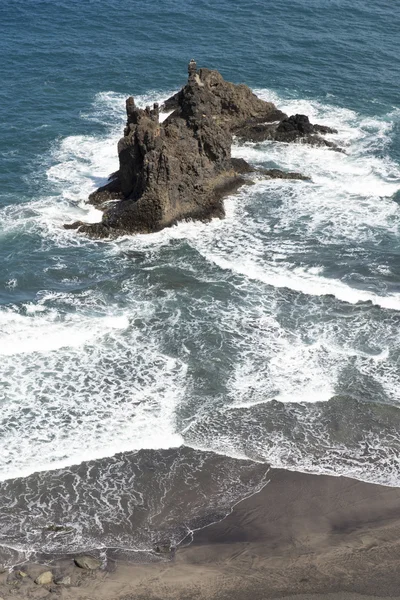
column 87, row 562
column 22, row 574
column 163, row 549
column 44, row 578
column 59, row 529
column 63, row 581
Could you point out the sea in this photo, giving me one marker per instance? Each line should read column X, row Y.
column 148, row 383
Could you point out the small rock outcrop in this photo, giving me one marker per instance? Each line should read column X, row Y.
column 87, row 562
column 182, row 168
column 242, row 166
column 289, row 129
column 165, row 548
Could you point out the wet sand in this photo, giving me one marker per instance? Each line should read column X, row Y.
column 303, row 536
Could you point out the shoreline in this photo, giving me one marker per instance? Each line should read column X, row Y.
column 302, row 535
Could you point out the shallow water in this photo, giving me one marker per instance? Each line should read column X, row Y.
column 271, row 337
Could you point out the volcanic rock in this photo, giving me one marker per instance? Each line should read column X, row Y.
column 65, row 581
column 242, row 166
column 166, row 548
column 289, row 129
column 182, row 168
column 87, row 562
column 44, row 578
column 278, row 174
column 22, row 574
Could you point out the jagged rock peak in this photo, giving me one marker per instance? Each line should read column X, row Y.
column 181, row 168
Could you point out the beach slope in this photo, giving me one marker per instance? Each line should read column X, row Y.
column 303, row 535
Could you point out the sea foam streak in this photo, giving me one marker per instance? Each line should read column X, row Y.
column 21, row 334
column 76, row 385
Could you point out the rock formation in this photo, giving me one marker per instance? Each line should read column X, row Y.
column 182, row 168
column 87, row 562
column 289, row 129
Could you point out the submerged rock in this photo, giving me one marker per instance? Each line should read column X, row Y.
column 182, row 168
column 278, row 174
column 164, row 548
column 59, row 529
column 241, row 166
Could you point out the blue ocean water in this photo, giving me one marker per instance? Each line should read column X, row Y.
column 271, row 336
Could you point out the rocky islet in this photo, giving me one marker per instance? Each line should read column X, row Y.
column 182, row 168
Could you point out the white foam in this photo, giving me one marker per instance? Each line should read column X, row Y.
column 21, row 334
column 12, row 283
column 165, row 115
column 280, row 366
column 334, row 459
column 350, row 198
column 304, row 281
column 77, row 385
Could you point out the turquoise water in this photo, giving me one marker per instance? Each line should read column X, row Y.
column 271, row 337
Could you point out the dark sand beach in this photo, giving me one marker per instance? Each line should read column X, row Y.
column 303, row 536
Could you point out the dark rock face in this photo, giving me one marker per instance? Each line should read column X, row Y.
column 87, row 562
column 288, row 129
column 299, row 126
column 241, row 166
column 182, row 168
